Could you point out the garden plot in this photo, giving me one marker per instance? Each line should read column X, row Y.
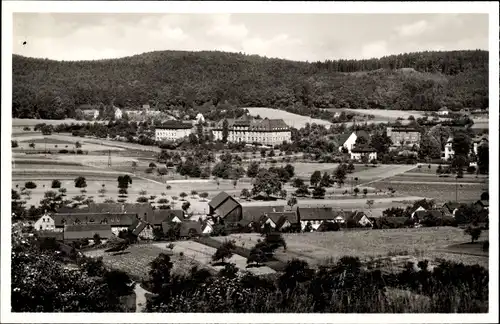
column 326, row 247
column 203, row 254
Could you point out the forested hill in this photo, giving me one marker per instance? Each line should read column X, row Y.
column 187, row 80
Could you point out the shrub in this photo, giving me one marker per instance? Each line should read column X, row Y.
column 471, row 169
column 80, row 152
column 474, row 232
column 14, row 144
column 63, row 151
column 56, row 184
column 486, row 246
column 142, row 199
column 30, row 185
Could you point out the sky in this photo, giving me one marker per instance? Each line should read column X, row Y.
column 301, row 37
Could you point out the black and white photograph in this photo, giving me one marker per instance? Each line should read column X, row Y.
column 263, row 159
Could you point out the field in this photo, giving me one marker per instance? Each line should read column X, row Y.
column 292, row 120
column 321, row 248
column 57, row 142
column 20, row 122
column 185, row 255
column 388, row 115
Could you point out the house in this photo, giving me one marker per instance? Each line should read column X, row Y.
column 165, row 215
column 365, row 151
column 419, row 209
column 225, row 207
column 91, row 113
column 255, row 213
column 423, row 214
column 481, row 205
column 190, row 229
column 142, row 229
column 361, row 218
column 450, row 208
column 283, row 220
column 199, row 118
column 479, row 141
column 337, row 114
column 348, row 141
column 172, row 130
column 206, row 228
column 448, row 149
column 317, row 215
column 118, row 113
column 118, row 222
column 45, row 223
column 86, row 231
column 250, row 130
column 443, row 111
column 403, row 135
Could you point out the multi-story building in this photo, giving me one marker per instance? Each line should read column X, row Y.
column 403, row 135
column 172, row 130
column 249, row 130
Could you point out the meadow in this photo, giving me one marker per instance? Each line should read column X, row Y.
column 292, row 120
column 327, row 247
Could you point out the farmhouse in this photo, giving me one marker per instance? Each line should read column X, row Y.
column 419, row 209
column 142, row 229
column 450, row 208
column 363, row 152
column 317, row 215
column 190, row 229
column 347, row 141
column 225, row 207
column 45, row 223
column 443, row 111
column 117, row 222
column 477, row 142
column 172, row 130
column 165, row 215
column 481, row 205
column 118, row 113
column 282, row 220
column 206, row 228
column 86, row 231
column 249, row 130
column 423, row 214
column 361, row 218
column 403, row 135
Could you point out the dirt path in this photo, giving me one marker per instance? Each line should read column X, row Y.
column 140, row 298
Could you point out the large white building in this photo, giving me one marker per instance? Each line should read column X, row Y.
column 45, row 223
column 249, row 130
column 172, row 130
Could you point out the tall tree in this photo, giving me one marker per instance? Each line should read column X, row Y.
column 483, row 159
column 266, row 182
column 225, row 130
column 315, row 178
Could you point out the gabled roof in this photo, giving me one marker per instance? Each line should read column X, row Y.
column 451, row 206
column 443, row 109
column 342, row 138
column 362, row 133
column 227, row 207
column 245, row 222
column 140, row 209
column 218, row 200
column 357, row 215
column 278, row 216
column 137, row 227
column 93, row 218
column 317, row 213
column 164, row 215
column 255, row 212
column 363, row 149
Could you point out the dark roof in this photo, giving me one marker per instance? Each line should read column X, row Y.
column 318, row 213
column 403, row 128
column 165, row 226
column 226, row 207
column 76, row 232
column 137, row 227
column 141, row 210
column 281, row 216
column 340, row 139
column 443, row 109
column 186, row 227
column 245, row 222
column 70, row 210
column 255, row 212
column 174, row 124
column 57, row 235
column 357, row 215
column 91, row 218
column 218, row 200
column 421, row 214
column 164, row 215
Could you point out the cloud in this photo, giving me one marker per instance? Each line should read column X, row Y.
column 222, row 27
column 414, row 29
column 374, row 50
column 281, row 45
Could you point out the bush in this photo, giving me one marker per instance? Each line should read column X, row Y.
column 80, row 152
column 486, row 246
column 142, row 199
column 30, row 185
column 63, row 151
column 56, row 184
column 14, row 144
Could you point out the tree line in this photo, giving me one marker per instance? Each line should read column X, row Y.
column 196, row 81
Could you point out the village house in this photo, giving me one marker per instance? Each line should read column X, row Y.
column 225, row 207
column 403, row 135
column 207, row 228
column 256, row 215
column 45, row 223
column 477, row 142
column 158, row 216
column 420, row 215
column 117, row 222
column 142, row 230
column 281, row 221
column 419, row 209
column 317, row 215
column 358, row 153
column 443, row 111
column 118, row 113
column 450, row 208
column 172, row 130
column 249, row 130
column 190, row 229
column 90, row 113
column 361, row 218
column 347, row 141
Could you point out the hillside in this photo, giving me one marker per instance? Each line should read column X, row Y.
column 187, row 80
